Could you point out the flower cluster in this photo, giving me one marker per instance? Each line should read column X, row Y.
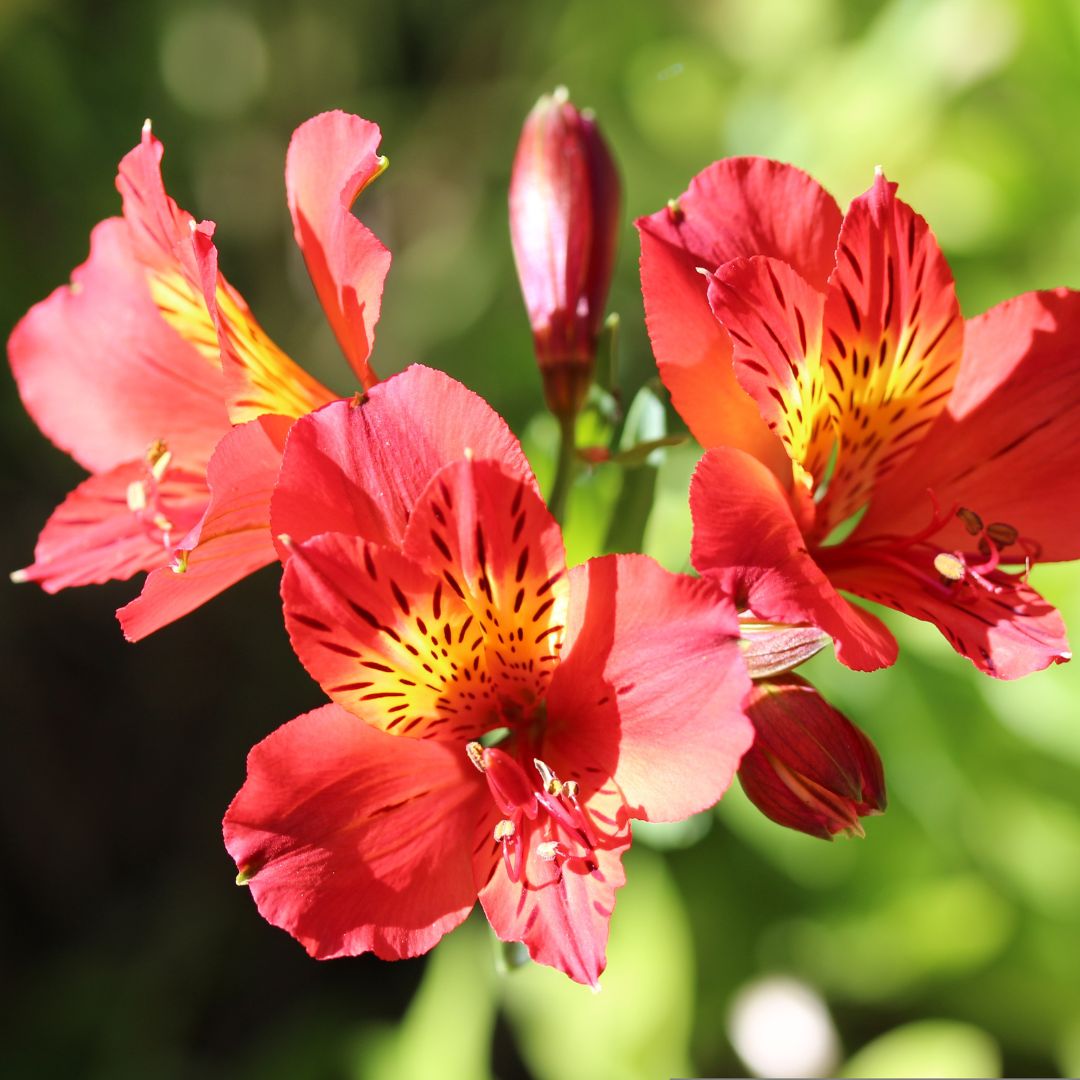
column 496, row 719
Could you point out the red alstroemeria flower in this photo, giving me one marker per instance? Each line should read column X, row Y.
column 436, row 612
column 150, row 370
column 834, row 376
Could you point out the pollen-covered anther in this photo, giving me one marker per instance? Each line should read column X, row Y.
column 549, row 850
column 552, row 784
column 475, row 753
column 950, row 566
column 158, row 457
column 136, row 496
column 505, row 830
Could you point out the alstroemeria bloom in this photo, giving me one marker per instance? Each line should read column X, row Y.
column 834, row 376
column 613, row 690
column 150, row 370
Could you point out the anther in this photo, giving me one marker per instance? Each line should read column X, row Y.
column 505, row 830
column 548, row 777
column 950, row 566
column 1002, row 534
column 971, row 521
column 476, row 754
column 549, row 850
column 570, row 789
column 136, row 496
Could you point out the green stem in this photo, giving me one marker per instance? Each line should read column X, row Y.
column 564, row 471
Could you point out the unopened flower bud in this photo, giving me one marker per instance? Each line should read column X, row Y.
column 809, row 767
column 564, row 219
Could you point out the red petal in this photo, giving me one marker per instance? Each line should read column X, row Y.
column 332, row 158
column 431, row 642
column 104, row 376
column 95, row 536
column 652, row 688
column 735, row 208
column 1007, row 633
column 354, row 841
column 745, row 533
column 231, row 541
column 560, row 909
column 359, row 467
column 1008, row 446
column 774, row 319
column 694, row 356
column 892, row 344
column 746, row 206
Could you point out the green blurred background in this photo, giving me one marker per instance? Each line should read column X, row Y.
column 946, row 943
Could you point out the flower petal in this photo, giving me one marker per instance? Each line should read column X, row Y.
column 745, row 534
column 231, row 541
column 107, row 529
column 489, row 536
column 104, row 376
column 354, row 841
column 1006, row 630
column 358, row 467
column 560, row 908
column 180, row 261
column 735, row 208
column 430, row 643
column 1008, row 446
column 773, row 317
column 693, row 353
column 652, row 688
column 892, row 344
column 332, row 158
column 259, row 378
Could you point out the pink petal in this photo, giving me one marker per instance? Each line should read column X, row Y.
column 260, row 378
column 331, row 159
column 102, row 373
column 231, row 541
column 652, row 688
column 560, row 909
column 358, row 467
column 745, row 534
column 354, row 841
column 95, row 535
column 1008, row 446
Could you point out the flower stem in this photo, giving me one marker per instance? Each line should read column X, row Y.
column 565, row 469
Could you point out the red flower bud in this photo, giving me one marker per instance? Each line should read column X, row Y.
column 564, row 219
column 809, row 768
